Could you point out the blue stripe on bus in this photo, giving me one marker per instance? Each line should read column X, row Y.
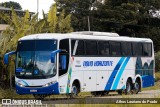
column 111, row 79
column 148, row 80
column 114, row 87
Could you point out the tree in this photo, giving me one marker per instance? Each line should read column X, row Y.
column 135, row 18
column 80, row 10
column 59, row 23
column 11, row 4
column 21, row 26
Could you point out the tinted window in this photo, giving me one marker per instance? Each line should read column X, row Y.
column 37, row 45
column 137, row 49
column 91, row 48
column 126, row 49
column 80, row 48
column 147, row 49
column 103, row 47
column 64, row 45
column 45, row 45
column 115, row 48
column 28, row 45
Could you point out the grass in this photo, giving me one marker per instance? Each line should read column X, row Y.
column 7, row 93
column 157, row 76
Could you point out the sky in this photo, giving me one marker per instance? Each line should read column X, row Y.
column 31, row 5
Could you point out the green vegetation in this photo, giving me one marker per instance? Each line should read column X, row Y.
column 126, row 17
column 157, row 76
column 22, row 26
column 157, row 61
column 7, row 93
column 11, row 4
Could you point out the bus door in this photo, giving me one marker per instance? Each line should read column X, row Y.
column 63, row 65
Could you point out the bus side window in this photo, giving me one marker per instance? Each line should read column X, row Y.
column 126, row 48
column 103, row 48
column 64, row 45
column 147, row 49
column 137, row 49
column 91, row 47
column 115, row 48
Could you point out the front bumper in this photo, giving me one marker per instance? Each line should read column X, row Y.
column 52, row 89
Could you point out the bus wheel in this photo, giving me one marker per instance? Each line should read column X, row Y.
column 136, row 87
column 74, row 91
column 128, row 89
column 39, row 96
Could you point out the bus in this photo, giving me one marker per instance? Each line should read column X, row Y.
column 96, row 62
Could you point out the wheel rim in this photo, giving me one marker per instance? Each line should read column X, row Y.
column 74, row 90
column 128, row 87
column 136, row 86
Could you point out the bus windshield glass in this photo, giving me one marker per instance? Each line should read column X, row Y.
column 33, row 59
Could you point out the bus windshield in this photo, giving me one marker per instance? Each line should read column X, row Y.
column 33, row 59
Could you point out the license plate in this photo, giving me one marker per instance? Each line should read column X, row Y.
column 33, row 90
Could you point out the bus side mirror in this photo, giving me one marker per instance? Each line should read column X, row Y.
column 53, row 54
column 63, row 59
column 6, row 57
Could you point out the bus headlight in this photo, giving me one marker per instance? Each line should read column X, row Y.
column 48, row 84
column 21, row 85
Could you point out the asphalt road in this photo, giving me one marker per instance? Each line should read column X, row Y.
column 143, row 94
column 111, row 98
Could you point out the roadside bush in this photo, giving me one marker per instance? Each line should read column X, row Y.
column 157, row 61
column 157, row 76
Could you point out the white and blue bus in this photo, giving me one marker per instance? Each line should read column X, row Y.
column 96, row 62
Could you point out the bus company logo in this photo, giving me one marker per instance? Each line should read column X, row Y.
column 97, row 63
column 20, row 102
column 6, row 102
column 78, row 63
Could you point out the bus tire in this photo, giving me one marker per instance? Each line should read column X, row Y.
column 128, row 89
column 74, row 91
column 137, row 86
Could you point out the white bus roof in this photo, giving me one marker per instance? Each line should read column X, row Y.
column 93, row 33
column 59, row 36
